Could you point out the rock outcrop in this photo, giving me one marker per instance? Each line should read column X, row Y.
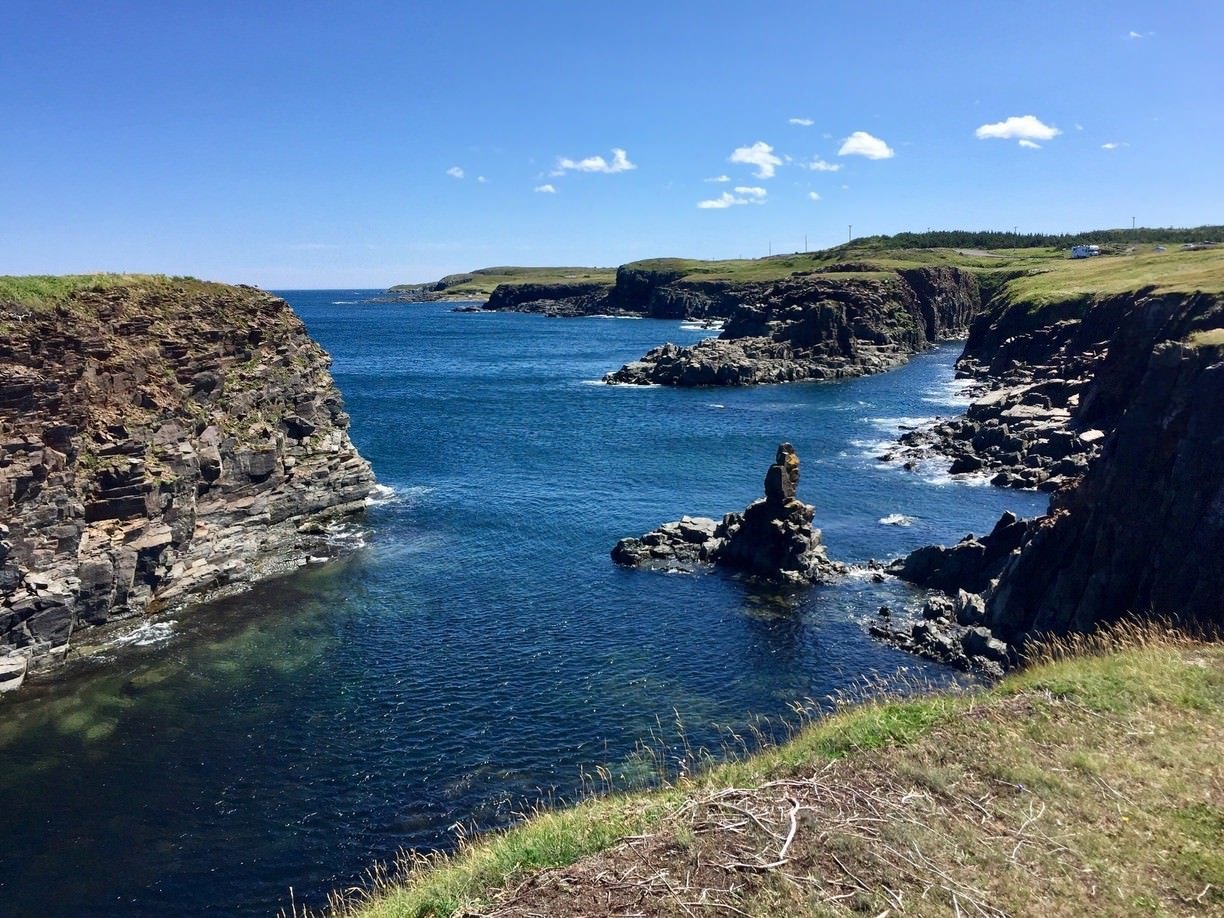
column 160, row 441
column 818, row 326
column 772, row 540
column 1140, row 534
column 1053, row 381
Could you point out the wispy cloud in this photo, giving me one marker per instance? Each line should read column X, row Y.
column 860, row 143
column 718, row 178
column 1114, row 145
column 744, row 194
column 1132, row 35
column 1029, row 145
column 802, row 122
column 545, row 189
column 761, row 155
column 814, row 196
column 482, row 180
column 455, row 172
column 620, row 163
column 1018, row 127
column 819, row 165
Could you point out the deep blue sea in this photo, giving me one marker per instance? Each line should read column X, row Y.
column 475, row 651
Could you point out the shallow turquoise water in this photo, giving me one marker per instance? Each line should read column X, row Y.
column 477, row 650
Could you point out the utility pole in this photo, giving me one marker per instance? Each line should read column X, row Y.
column 1132, row 222
column 1014, row 228
column 771, row 247
column 850, row 233
column 805, row 248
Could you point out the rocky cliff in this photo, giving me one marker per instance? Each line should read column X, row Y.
column 819, row 326
column 1055, row 380
column 1141, row 532
column 160, row 440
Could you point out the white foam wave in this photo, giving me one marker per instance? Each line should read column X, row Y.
column 385, row 495
column 345, row 536
column 147, row 634
column 897, row 519
column 601, row 316
column 344, row 302
column 715, row 405
column 901, row 423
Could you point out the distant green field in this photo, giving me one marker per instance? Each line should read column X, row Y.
column 1049, row 274
column 480, row 283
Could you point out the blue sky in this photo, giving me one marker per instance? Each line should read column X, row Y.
column 364, row 144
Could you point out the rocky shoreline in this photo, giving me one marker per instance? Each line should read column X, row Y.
column 1118, row 413
column 819, row 326
column 161, row 441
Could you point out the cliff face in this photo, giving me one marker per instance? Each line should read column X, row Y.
column 1059, row 379
column 159, row 440
column 1139, row 529
column 819, row 326
column 1143, row 532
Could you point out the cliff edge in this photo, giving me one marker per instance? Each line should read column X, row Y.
column 161, row 440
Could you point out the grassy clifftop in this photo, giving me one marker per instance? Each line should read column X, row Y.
column 1038, row 275
column 1089, row 784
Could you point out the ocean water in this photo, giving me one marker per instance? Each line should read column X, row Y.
column 475, row 651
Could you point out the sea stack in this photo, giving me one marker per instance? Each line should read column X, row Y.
column 772, row 540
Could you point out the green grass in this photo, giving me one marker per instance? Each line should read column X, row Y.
column 480, row 283
column 1046, row 275
column 1087, row 784
column 40, row 292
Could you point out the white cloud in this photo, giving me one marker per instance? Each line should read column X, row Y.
column 718, row 178
column 1114, row 145
column 1078, row 126
column 744, row 194
column 860, row 143
column 802, row 122
column 814, row 196
column 482, row 180
column 761, row 155
column 1029, row 145
column 1132, row 35
column 545, row 189
column 1018, row 127
column 455, row 172
column 620, row 163
column 819, row 165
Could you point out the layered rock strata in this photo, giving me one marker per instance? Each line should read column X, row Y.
column 160, row 441
column 773, row 539
column 818, row 326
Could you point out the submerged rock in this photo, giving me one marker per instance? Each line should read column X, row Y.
column 772, row 539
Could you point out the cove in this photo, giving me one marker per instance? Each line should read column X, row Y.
column 476, row 650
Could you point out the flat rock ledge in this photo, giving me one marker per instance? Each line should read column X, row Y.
column 772, row 540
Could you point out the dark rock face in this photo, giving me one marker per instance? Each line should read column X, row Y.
column 972, row 564
column 773, row 539
column 1053, row 382
column 159, row 443
column 573, row 299
column 1143, row 533
column 818, row 327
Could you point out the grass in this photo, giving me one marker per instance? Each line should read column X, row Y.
column 480, row 283
column 1038, row 276
column 37, row 292
column 1089, row 783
